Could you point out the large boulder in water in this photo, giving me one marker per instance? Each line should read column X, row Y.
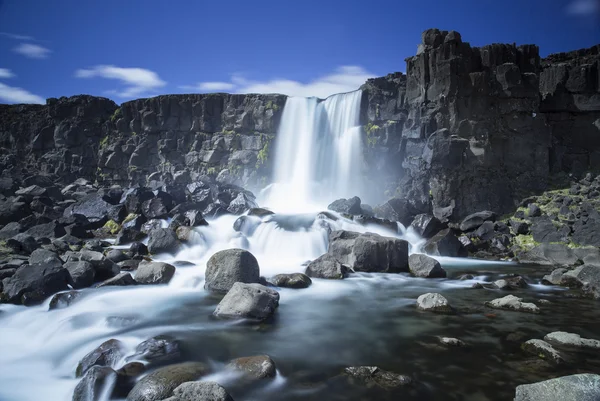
column 369, row 252
column 107, row 354
column 426, row 225
column 160, row 384
column 434, row 302
column 154, row 272
column 294, row 280
column 580, row 387
column 347, row 206
column 158, row 350
column 163, row 240
column 248, row 301
column 326, row 266
column 32, row 284
column 230, row 266
column 425, row 266
column 200, row 391
column 257, row 367
column 94, row 384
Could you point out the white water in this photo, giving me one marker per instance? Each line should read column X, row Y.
column 318, row 155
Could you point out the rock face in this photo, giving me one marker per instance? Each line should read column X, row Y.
column 581, row 387
column 225, row 268
column 248, row 301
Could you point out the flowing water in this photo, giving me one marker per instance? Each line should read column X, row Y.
column 365, row 319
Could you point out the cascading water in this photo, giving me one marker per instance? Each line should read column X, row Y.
column 318, row 155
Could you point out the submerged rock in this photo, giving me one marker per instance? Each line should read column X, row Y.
column 248, row 301
column 200, row 391
column 326, row 266
column 225, row 268
column 258, row 367
column 160, row 384
column 63, row 299
column 107, row 354
column 581, row 387
column 571, row 339
column 295, row 280
column 425, row 266
column 543, row 350
column 373, row 376
column 434, row 302
column 510, row 302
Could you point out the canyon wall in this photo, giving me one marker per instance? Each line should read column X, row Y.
column 464, row 129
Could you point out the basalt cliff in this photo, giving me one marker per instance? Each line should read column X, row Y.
column 465, row 129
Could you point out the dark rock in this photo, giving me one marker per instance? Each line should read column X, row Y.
column 116, row 255
column 97, row 210
column 346, row 206
column 229, row 266
column 154, row 209
column 426, row 225
column 121, row 279
column 22, row 243
column 259, row 212
column 44, row 256
column 373, row 376
column 424, row 266
column 82, row 273
column 549, row 254
column 158, row 350
column 445, row 243
column 555, row 277
column 475, row 220
column 129, row 265
column 485, row 231
column 10, row 230
column 248, row 301
column 399, row 209
column 200, row 391
column 519, row 227
column 163, row 240
column 134, row 221
column 13, row 211
column 511, row 283
column 580, row 387
column 161, row 383
column 533, row 210
column 94, row 384
column 32, row 284
column 134, row 197
column 107, row 354
column 586, row 276
column 257, row 367
column 154, row 273
column 326, row 266
column 104, row 268
column 295, row 280
column 128, row 235
column 544, row 230
column 64, row 299
column 241, row 203
column 138, row 249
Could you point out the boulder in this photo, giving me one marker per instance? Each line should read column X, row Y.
column 161, row 383
column 582, row 275
column 116, row 255
column 154, row 273
column 445, row 243
column 433, row 302
column 543, row 350
column 230, row 266
column 158, row 350
column 510, row 302
column 107, row 354
column 241, row 203
column 511, row 283
column 121, row 279
column 580, row 387
column 425, row 266
column 426, row 225
column 346, row 206
column 485, row 231
column 163, row 240
column 519, row 227
column 154, row 209
column 13, row 211
column 32, row 284
column 200, row 391
column 248, row 301
column 94, row 384
column 97, row 210
column 22, row 243
column 369, row 252
column 398, row 209
column 572, row 340
column 326, row 266
column 138, row 249
column 48, row 230
column 257, row 367
column 295, row 280
column 104, row 268
column 135, row 221
column 554, row 278
column 44, row 256
column 473, row 221
column 129, row 235
column 372, row 375
column 82, row 273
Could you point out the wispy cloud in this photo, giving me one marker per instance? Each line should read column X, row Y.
column 136, row 81
column 32, row 50
column 342, row 79
column 17, row 36
column 209, row 86
column 583, row 7
column 11, row 94
column 6, row 73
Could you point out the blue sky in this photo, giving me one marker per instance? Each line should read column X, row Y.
column 126, row 49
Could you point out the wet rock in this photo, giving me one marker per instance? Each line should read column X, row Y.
column 154, row 209
column 580, row 387
column 369, row 252
column 82, row 274
column 433, row 302
column 104, row 268
column 94, row 383
column 326, row 266
column 154, row 273
column 511, row 283
column 161, row 383
column 426, row 225
column 582, row 275
column 126, row 377
column 129, row 265
column 295, row 280
column 44, row 256
column 257, row 367
column 555, row 277
column 162, row 240
column 475, row 220
column 445, row 243
column 373, row 376
column 229, row 266
column 425, row 266
column 346, row 206
column 129, row 235
column 241, row 203
column 64, row 299
column 134, row 221
column 107, row 354
column 209, row 391
column 259, row 212
column 121, row 279
column 572, row 340
column 543, row 350
column 510, row 302
column 452, row 342
column 116, row 256
column 32, row 284
column 138, row 249
column 158, row 350
column 249, row 301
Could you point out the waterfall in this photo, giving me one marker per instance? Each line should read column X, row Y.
column 318, row 153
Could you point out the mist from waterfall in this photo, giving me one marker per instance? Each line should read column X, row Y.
column 318, row 153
